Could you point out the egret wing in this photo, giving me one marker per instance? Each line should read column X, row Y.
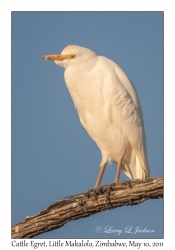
column 123, row 110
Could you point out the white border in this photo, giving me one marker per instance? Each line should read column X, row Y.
column 5, row 95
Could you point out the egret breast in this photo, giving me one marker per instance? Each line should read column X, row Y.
column 90, row 104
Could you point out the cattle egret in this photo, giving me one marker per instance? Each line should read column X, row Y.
column 108, row 108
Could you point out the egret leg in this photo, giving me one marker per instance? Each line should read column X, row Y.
column 100, row 175
column 97, row 185
column 118, row 171
column 116, row 181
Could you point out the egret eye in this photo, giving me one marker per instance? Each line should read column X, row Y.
column 72, row 56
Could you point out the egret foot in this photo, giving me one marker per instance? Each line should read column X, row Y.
column 109, row 189
column 87, row 195
column 129, row 184
column 82, row 199
column 96, row 193
column 116, row 181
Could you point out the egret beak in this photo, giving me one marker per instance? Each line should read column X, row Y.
column 58, row 57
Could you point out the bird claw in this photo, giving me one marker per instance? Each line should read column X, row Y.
column 95, row 194
column 82, row 200
column 96, row 191
column 108, row 192
column 87, row 194
column 129, row 184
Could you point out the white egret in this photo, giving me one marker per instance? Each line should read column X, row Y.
column 108, row 108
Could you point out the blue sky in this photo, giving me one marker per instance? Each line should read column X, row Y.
column 52, row 155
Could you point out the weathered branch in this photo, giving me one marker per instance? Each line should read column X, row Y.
column 63, row 211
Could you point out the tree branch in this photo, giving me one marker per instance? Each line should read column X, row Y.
column 63, row 211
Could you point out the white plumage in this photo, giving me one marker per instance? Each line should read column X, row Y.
column 108, row 108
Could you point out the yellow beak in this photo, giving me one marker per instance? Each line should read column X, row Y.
column 58, row 57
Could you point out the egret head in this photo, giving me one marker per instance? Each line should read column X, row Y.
column 74, row 56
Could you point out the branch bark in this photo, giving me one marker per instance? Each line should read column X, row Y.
column 63, row 211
